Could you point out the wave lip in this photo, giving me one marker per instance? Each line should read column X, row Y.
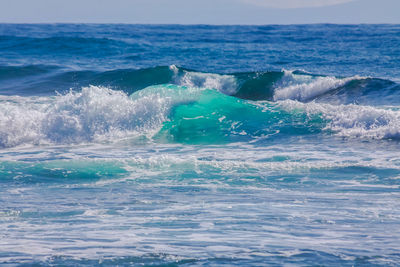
column 226, row 84
column 307, row 87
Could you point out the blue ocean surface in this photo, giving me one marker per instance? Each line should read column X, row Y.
column 168, row 145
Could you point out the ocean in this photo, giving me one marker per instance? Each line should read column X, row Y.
column 171, row 145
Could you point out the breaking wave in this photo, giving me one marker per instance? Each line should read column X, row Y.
column 184, row 114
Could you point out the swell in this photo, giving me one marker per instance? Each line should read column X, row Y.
column 269, row 85
column 22, row 72
column 58, row 45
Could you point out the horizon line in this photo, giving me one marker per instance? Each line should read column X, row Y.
column 193, row 24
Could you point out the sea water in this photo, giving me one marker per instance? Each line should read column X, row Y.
column 199, row 145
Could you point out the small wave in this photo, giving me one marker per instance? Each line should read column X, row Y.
column 353, row 120
column 365, row 91
column 307, row 87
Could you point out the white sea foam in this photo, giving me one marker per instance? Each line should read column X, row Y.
column 226, row 84
column 354, row 120
column 306, row 87
column 300, row 87
column 93, row 114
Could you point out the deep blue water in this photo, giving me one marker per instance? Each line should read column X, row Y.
column 137, row 145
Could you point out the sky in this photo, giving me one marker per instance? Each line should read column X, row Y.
column 200, row 11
